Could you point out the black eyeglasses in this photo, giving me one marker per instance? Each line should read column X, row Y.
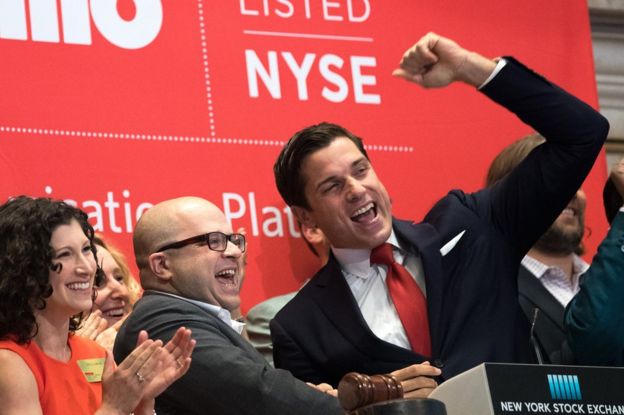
column 216, row 241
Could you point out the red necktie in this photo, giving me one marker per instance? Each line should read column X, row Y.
column 408, row 299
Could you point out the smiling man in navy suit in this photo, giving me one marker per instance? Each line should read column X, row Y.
column 458, row 305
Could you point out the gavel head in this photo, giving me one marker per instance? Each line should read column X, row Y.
column 356, row 390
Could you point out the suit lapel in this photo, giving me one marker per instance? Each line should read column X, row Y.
column 333, row 296
column 423, row 240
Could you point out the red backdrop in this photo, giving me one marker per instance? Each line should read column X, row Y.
column 117, row 108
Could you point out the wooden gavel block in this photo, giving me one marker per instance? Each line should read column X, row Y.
column 356, row 390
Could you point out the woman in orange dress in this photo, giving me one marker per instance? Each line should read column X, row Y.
column 48, row 268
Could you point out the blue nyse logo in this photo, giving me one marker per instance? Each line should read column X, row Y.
column 564, row 387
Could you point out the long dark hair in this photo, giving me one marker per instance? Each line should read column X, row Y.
column 26, row 227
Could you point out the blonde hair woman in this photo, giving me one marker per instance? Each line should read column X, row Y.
column 116, row 294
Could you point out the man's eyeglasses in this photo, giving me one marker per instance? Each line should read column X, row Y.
column 216, row 241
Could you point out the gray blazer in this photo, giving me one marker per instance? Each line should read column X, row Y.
column 258, row 319
column 227, row 375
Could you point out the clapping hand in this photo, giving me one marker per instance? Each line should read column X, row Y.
column 145, row 373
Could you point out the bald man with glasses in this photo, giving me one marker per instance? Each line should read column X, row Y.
column 191, row 267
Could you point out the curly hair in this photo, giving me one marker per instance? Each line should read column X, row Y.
column 26, row 227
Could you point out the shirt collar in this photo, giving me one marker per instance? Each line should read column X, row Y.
column 579, row 265
column 538, row 268
column 357, row 261
column 220, row 312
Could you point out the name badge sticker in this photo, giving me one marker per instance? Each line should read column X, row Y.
column 92, row 369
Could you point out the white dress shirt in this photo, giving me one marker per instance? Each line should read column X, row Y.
column 368, row 285
column 555, row 280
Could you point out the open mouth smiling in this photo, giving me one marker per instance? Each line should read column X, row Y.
column 79, row 286
column 227, row 277
column 114, row 312
column 365, row 214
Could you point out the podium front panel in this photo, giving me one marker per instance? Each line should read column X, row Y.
column 535, row 389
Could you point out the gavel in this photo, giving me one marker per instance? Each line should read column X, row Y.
column 356, row 390
column 361, row 394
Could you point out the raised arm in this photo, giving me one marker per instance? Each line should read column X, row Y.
column 523, row 205
column 529, row 199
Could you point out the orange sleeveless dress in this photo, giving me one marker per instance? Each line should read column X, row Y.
column 63, row 387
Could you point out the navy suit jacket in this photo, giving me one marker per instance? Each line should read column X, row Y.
column 472, row 294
